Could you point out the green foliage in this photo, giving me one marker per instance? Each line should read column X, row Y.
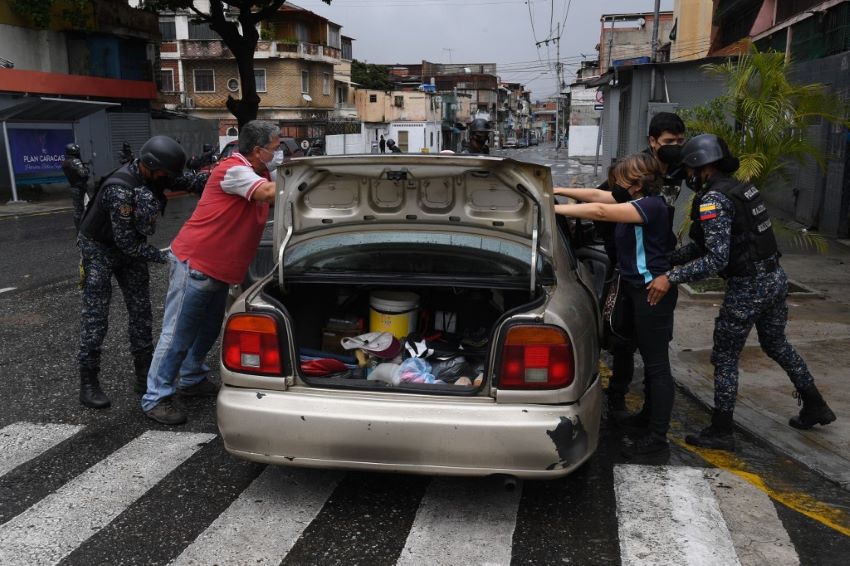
column 366, row 75
column 763, row 115
column 40, row 12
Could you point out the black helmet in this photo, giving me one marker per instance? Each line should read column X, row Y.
column 72, row 150
column 479, row 125
column 162, row 153
column 704, row 149
column 390, row 142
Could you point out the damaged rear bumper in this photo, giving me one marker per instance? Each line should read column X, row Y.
column 408, row 433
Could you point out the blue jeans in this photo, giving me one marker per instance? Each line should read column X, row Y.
column 194, row 310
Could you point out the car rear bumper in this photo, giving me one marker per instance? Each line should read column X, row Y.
column 389, row 432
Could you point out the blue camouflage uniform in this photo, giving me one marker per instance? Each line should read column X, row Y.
column 78, row 175
column 132, row 213
column 755, row 294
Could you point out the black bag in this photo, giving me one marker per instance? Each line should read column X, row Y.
column 617, row 315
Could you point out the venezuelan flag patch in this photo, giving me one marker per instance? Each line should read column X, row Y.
column 707, row 211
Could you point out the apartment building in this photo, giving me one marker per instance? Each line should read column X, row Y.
column 302, row 66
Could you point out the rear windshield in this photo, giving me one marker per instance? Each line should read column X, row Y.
column 410, row 252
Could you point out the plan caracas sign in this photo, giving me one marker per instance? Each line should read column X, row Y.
column 38, row 152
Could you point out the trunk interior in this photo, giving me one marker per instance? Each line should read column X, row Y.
column 443, row 334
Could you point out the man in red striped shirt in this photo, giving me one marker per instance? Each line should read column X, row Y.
column 211, row 252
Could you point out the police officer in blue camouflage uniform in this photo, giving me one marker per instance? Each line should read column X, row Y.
column 113, row 242
column 732, row 236
column 78, row 175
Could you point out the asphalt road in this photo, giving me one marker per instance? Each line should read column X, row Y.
column 112, row 487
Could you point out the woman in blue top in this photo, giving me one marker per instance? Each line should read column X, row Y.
column 644, row 240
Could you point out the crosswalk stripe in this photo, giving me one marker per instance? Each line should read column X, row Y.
column 463, row 521
column 53, row 527
column 21, row 442
column 757, row 532
column 264, row 522
column 669, row 516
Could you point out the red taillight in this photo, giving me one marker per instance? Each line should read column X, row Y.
column 536, row 357
column 251, row 344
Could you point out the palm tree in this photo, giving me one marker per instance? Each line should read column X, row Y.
column 763, row 116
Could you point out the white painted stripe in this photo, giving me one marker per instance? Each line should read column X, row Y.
column 261, row 526
column 7, row 289
column 757, row 532
column 21, row 442
column 463, row 521
column 669, row 516
column 52, row 528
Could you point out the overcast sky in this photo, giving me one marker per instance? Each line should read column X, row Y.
column 478, row 31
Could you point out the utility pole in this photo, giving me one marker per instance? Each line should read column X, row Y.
column 558, row 136
column 602, row 115
column 654, row 57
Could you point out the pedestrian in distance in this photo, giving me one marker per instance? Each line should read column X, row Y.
column 479, row 137
column 644, row 241
column 382, row 144
column 78, row 174
column 665, row 137
column 732, row 236
column 113, row 243
column 393, row 147
column 126, row 155
column 212, row 251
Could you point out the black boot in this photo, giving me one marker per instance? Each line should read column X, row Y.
column 141, row 363
column 718, row 435
column 617, row 410
column 814, row 411
column 91, row 395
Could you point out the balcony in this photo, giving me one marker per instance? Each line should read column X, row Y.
column 216, row 49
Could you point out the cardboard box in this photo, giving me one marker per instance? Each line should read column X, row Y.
column 332, row 336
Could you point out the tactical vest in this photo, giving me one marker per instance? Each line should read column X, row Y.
column 72, row 169
column 95, row 223
column 752, row 238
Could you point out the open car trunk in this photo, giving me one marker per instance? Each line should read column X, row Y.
column 452, row 333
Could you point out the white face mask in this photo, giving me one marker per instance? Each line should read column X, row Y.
column 276, row 160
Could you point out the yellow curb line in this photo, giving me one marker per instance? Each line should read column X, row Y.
column 802, row 503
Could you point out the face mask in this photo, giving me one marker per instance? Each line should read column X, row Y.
column 621, row 194
column 276, row 160
column 694, row 182
column 670, row 154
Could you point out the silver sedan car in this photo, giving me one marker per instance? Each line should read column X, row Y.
column 490, row 366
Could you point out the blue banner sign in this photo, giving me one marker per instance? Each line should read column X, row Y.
column 39, row 152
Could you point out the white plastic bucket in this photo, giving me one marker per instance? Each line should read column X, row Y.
column 395, row 312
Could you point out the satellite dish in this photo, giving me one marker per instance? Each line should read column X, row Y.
column 307, row 97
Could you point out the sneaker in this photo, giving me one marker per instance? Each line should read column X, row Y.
column 646, row 445
column 204, row 388
column 167, row 413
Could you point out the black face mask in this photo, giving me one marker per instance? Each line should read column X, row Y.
column 621, row 194
column 694, row 182
column 670, row 154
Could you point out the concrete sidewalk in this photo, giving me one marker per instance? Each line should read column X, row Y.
column 819, row 328
column 50, row 201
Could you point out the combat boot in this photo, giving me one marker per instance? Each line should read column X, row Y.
column 814, row 411
column 718, row 435
column 91, row 395
column 141, row 364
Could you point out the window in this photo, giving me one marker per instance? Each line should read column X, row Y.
column 201, row 31
column 166, row 80
column 233, row 84
column 333, row 36
column 168, row 30
column 402, row 140
column 232, row 131
column 260, row 78
column 398, row 101
column 302, row 32
column 341, row 97
column 373, row 98
column 204, row 80
column 326, row 83
column 305, row 81
column 346, row 49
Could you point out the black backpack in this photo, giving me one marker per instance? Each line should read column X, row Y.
column 95, row 223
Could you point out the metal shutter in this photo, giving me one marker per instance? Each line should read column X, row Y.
column 132, row 127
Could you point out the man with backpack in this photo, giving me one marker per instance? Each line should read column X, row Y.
column 113, row 242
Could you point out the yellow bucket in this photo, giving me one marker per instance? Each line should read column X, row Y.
column 395, row 312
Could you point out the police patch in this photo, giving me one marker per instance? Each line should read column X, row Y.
column 125, row 211
column 707, row 211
